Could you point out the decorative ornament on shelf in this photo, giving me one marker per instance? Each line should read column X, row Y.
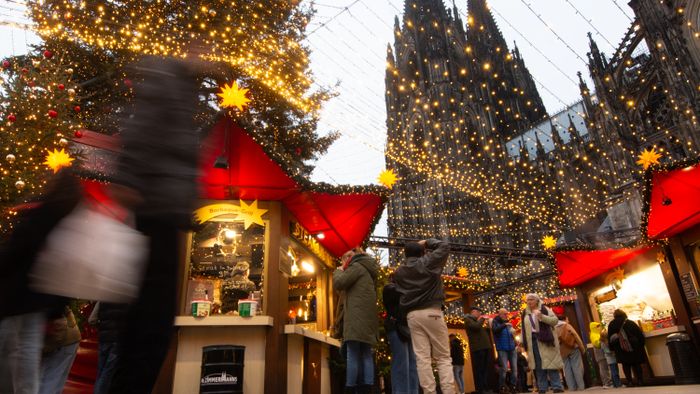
column 10, row 158
column 71, row 92
column 61, row 86
column 387, row 178
column 58, row 159
column 76, row 108
column 549, row 242
column 20, row 184
column 648, row 158
column 233, row 96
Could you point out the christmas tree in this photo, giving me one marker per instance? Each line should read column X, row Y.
column 257, row 45
column 39, row 110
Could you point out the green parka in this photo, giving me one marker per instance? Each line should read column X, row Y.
column 360, row 321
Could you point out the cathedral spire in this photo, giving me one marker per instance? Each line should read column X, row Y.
column 540, row 148
column 524, row 154
column 572, row 129
column 482, row 23
column 556, row 138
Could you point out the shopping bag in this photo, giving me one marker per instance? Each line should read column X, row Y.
column 91, row 255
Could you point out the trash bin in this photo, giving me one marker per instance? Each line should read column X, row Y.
column 686, row 366
column 222, row 369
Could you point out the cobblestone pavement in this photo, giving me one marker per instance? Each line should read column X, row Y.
column 687, row 389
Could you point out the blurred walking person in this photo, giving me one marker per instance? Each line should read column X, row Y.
column 360, row 324
column 627, row 341
column 542, row 345
column 505, row 345
column 457, row 354
column 573, row 353
column 109, row 319
column 23, row 311
column 419, row 280
column 60, row 348
column 157, row 178
column 404, row 375
column 479, row 344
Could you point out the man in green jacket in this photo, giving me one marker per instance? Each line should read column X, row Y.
column 360, row 323
column 479, row 345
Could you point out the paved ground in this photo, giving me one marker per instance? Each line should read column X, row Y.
column 688, row 389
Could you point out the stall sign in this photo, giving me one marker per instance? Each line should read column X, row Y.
column 605, row 297
column 691, row 292
column 300, row 234
column 248, row 213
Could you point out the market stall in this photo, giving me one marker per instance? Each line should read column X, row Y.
column 630, row 279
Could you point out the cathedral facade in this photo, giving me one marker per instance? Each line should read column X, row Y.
column 481, row 162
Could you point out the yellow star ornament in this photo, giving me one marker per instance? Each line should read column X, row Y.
column 233, row 96
column 387, row 178
column 648, row 158
column 58, row 159
column 548, row 242
column 462, row 272
column 250, row 214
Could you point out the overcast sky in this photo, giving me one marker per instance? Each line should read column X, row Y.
column 348, row 40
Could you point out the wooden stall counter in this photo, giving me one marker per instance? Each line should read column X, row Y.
column 196, row 333
column 308, row 351
column 657, row 351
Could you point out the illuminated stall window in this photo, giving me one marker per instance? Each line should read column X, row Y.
column 227, row 259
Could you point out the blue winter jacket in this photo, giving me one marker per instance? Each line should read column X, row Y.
column 502, row 336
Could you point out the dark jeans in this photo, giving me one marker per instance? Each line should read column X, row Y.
column 107, row 360
column 360, row 368
column 628, row 369
column 480, row 362
column 404, row 374
column 143, row 343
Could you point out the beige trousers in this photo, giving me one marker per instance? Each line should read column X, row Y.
column 431, row 342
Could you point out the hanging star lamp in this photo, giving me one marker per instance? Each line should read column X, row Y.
column 58, row 159
column 648, row 158
column 233, row 96
column 387, row 178
column 549, row 242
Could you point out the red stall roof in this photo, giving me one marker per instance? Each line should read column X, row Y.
column 344, row 214
column 674, row 201
column 579, row 266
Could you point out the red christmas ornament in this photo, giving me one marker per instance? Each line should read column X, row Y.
column 6, row 64
column 78, row 134
column 48, row 54
column 76, row 108
column 297, row 151
column 127, row 83
column 11, row 118
column 24, row 70
column 53, row 113
column 61, row 86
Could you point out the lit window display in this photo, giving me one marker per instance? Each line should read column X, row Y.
column 226, row 265
column 303, row 298
column 642, row 295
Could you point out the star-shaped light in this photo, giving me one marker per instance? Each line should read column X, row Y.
column 58, row 159
column 387, row 178
column 648, row 158
column 548, row 242
column 233, row 96
column 462, row 272
column 250, row 214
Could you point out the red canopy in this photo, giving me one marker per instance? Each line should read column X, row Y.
column 579, row 266
column 674, row 201
column 345, row 215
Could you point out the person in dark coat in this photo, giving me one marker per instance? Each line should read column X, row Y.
column 404, row 374
column 627, row 341
column 156, row 177
column 479, row 345
column 360, row 322
column 457, row 354
column 505, row 345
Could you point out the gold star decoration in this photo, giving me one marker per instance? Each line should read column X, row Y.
column 660, row 257
column 648, row 158
column 250, row 214
column 233, row 96
column 387, row 178
column 548, row 242
column 462, row 272
column 58, row 159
